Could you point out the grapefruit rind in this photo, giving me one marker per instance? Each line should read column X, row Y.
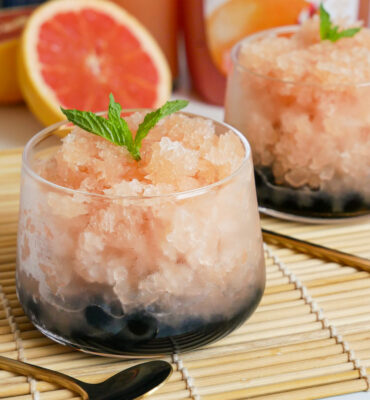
column 9, row 88
column 40, row 98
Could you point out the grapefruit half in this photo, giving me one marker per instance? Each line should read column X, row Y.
column 73, row 53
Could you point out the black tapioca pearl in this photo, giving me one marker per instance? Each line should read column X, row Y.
column 139, row 326
column 290, row 203
column 353, row 202
column 99, row 319
column 322, row 203
column 258, row 179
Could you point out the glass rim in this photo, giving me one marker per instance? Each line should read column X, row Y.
column 47, row 131
column 282, row 29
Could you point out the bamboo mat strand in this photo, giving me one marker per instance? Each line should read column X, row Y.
column 308, row 339
column 17, row 339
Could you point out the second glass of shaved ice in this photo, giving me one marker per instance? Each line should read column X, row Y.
column 140, row 258
column 303, row 104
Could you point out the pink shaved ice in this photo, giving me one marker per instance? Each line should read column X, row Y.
column 179, row 154
column 303, row 104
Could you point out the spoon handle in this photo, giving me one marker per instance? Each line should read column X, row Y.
column 316, row 250
column 44, row 374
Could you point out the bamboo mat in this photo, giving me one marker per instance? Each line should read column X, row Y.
column 308, row 339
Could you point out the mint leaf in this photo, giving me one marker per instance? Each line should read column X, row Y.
column 331, row 32
column 152, row 118
column 349, row 32
column 95, row 124
column 114, row 116
column 115, row 128
column 114, row 109
column 325, row 23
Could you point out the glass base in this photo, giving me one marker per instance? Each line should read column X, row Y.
column 306, row 205
column 312, row 220
column 64, row 342
column 138, row 334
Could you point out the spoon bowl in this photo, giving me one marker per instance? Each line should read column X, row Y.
column 131, row 384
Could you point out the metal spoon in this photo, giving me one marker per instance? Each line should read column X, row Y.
column 316, row 250
column 133, row 383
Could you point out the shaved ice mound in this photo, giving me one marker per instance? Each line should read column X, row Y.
column 303, row 105
column 172, row 242
column 178, row 151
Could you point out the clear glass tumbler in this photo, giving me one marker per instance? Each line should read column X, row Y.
column 137, row 276
column 310, row 142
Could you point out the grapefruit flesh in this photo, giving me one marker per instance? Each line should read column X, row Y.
column 75, row 52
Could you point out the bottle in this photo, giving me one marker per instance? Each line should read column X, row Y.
column 160, row 18
column 364, row 11
column 212, row 27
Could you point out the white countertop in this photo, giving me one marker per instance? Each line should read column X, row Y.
column 18, row 125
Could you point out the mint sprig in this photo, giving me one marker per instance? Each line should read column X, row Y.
column 329, row 31
column 115, row 128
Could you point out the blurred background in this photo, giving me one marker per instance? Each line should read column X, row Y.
column 196, row 37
